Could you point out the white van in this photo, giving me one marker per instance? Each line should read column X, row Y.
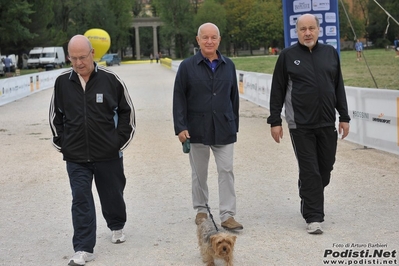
column 54, row 56
column 34, row 55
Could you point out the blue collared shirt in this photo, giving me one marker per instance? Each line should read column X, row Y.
column 212, row 64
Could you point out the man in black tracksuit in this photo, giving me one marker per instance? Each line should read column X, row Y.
column 92, row 119
column 307, row 80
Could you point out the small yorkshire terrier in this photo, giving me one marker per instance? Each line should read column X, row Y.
column 215, row 244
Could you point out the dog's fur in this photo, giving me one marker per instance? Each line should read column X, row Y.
column 215, row 244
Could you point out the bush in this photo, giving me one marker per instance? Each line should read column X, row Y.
column 382, row 43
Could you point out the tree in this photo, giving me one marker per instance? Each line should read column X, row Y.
column 238, row 12
column 196, row 5
column 177, row 29
column 76, row 17
column 212, row 12
column 65, row 22
column 274, row 31
column 265, row 25
column 380, row 25
column 122, row 23
column 14, row 24
column 137, row 7
column 361, row 7
column 42, row 14
column 347, row 20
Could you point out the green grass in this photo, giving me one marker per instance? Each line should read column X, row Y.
column 29, row 71
column 383, row 65
column 26, row 72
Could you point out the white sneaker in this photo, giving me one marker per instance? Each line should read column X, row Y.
column 80, row 258
column 314, row 228
column 118, row 236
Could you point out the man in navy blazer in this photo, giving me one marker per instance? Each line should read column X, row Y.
column 205, row 111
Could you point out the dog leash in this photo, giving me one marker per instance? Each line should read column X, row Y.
column 210, row 214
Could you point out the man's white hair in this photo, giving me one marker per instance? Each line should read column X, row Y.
column 205, row 24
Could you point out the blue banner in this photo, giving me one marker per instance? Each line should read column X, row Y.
column 325, row 10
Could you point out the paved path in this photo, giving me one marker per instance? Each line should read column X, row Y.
column 362, row 200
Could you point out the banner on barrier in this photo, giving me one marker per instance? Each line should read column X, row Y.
column 15, row 88
column 374, row 114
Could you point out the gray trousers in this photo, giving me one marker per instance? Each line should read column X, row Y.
column 199, row 160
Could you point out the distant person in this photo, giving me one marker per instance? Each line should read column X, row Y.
column 396, row 44
column 359, row 49
column 92, row 120
column 7, row 64
column 307, row 80
column 151, row 58
column 205, row 112
column 157, row 58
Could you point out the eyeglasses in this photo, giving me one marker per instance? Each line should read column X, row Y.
column 81, row 58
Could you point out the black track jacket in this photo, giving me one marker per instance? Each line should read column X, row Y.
column 310, row 85
column 95, row 124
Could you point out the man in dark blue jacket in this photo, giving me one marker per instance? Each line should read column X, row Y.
column 307, row 79
column 205, row 111
column 92, row 119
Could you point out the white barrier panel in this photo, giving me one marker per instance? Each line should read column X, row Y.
column 15, row 88
column 255, row 87
column 374, row 112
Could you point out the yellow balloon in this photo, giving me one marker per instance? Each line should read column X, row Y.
column 100, row 41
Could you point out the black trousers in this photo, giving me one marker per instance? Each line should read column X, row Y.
column 315, row 151
column 110, row 182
